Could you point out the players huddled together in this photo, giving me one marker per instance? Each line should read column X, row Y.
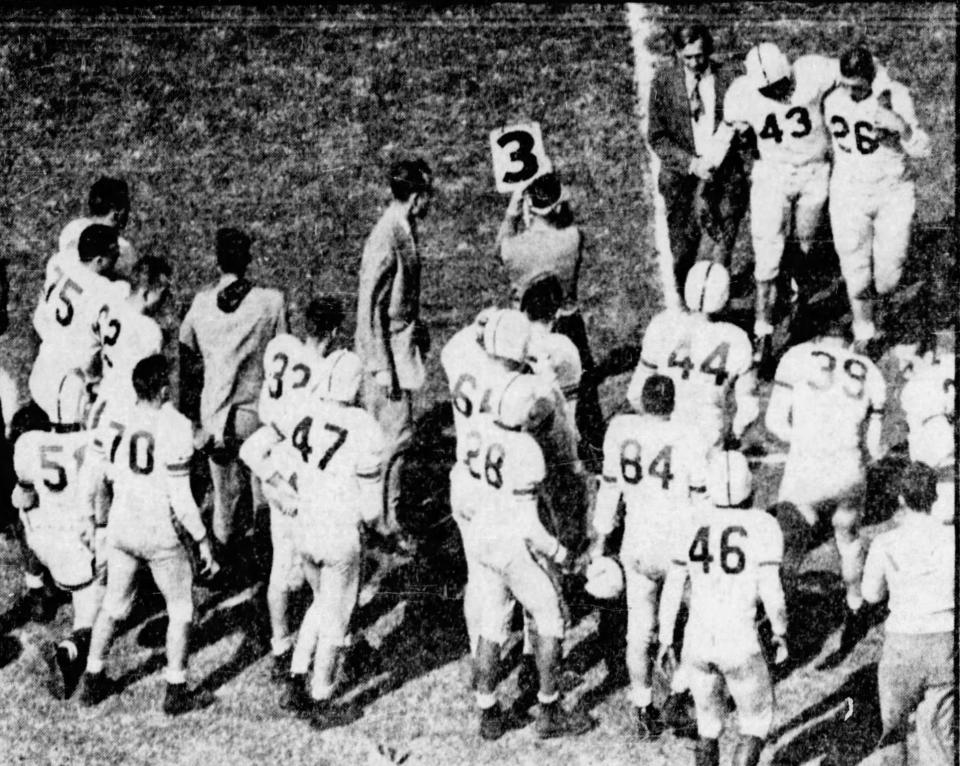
column 104, row 459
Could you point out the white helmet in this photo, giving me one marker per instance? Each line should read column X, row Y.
column 604, row 578
column 729, row 480
column 73, row 400
column 520, row 404
column 766, row 64
column 506, row 335
column 707, row 288
column 340, row 380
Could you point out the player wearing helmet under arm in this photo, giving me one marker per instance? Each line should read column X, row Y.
column 731, row 555
column 58, row 521
column 647, row 465
column 292, row 371
column 824, row 395
column 67, row 312
column 148, row 451
column 781, row 104
column 874, row 130
column 517, row 556
column 706, row 359
column 472, row 374
column 330, row 474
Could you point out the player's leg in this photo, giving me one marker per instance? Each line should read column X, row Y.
column 851, row 220
column 339, row 587
column 891, row 239
column 770, row 211
column 225, row 477
column 395, row 416
column 286, row 576
column 936, row 713
column 808, row 210
column 749, row 685
column 174, row 579
column 496, row 598
column 295, row 696
column 846, row 531
column 117, row 601
column 642, row 600
column 707, row 689
column 462, row 512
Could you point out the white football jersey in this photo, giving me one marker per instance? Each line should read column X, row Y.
column 126, row 337
column 859, row 154
column 833, row 391
column 144, row 448
column 50, row 463
column 703, row 359
column 929, row 392
column 793, row 132
column 291, row 374
column 723, row 550
column 70, row 238
column 330, row 456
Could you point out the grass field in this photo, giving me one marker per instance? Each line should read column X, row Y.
column 282, row 122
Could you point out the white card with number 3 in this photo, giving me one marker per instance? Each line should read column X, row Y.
column 518, row 155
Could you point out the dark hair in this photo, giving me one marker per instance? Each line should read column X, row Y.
column 323, row 315
column 148, row 271
column 686, row 35
column 542, row 298
column 30, row 417
column 918, row 486
column 150, row 376
column 858, row 62
column 96, row 240
column 408, row 177
column 108, row 194
column 544, row 190
column 233, row 251
column 658, row 395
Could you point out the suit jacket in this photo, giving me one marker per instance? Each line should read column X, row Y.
column 670, row 132
column 388, row 335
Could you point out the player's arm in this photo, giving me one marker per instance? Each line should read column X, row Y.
column 769, row 584
column 670, row 600
column 896, row 114
column 748, row 402
column 176, row 468
column 608, row 495
column 190, row 369
column 369, row 475
column 877, row 392
column 874, row 582
column 778, row 418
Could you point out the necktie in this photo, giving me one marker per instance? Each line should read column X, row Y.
column 696, row 103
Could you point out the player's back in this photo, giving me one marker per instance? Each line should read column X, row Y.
column 144, row 447
column 291, row 374
column 833, row 390
column 51, row 462
column 126, row 337
column 724, row 550
column 335, row 445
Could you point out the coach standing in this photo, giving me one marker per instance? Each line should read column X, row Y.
column 390, row 338
column 228, row 327
column 915, row 564
column 702, row 175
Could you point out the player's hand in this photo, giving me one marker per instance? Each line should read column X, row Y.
column 516, row 202
column 201, row 439
column 780, row 650
column 384, row 378
column 208, row 566
column 701, row 168
column 667, row 659
column 888, row 121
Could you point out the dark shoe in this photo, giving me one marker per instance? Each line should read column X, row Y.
column 66, row 667
column 649, row 723
column 763, row 358
column 677, row 714
column 492, row 725
column 295, row 696
column 554, row 721
column 855, row 627
column 280, row 666
column 177, row 699
column 96, row 688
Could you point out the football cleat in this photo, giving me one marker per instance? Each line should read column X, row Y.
column 96, row 688
column 554, row 721
column 492, row 725
column 295, row 696
column 649, row 723
column 66, row 667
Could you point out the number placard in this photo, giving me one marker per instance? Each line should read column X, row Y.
column 518, row 155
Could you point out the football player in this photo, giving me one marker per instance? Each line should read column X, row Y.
column 58, row 524
column 472, row 375
column 148, row 450
column 65, row 317
column 646, row 464
column 109, row 204
column 706, row 359
column 731, row 556
column 825, row 395
column 781, row 104
column 874, row 130
column 332, row 465
column 292, row 370
column 517, row 556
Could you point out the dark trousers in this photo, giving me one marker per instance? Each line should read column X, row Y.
column 589, row 415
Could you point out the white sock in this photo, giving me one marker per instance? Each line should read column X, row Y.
column 280, row 646
column 175, row 676
column 486, row 701
column 641, row 696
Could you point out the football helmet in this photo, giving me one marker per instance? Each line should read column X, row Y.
column 341, row 381
column 520, row 404
column 766, row 64
column 707, row 287
column 729, row 479
column 73, row 400
column 604, row 578
column 506, row 335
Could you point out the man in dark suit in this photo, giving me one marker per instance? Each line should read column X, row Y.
column 702, row 174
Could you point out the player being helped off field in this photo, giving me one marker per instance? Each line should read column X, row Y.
column 327, row 478
column 293, row 369
column 647, row 465
column 147, row 451
column 874, row 130
column 731, row 555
